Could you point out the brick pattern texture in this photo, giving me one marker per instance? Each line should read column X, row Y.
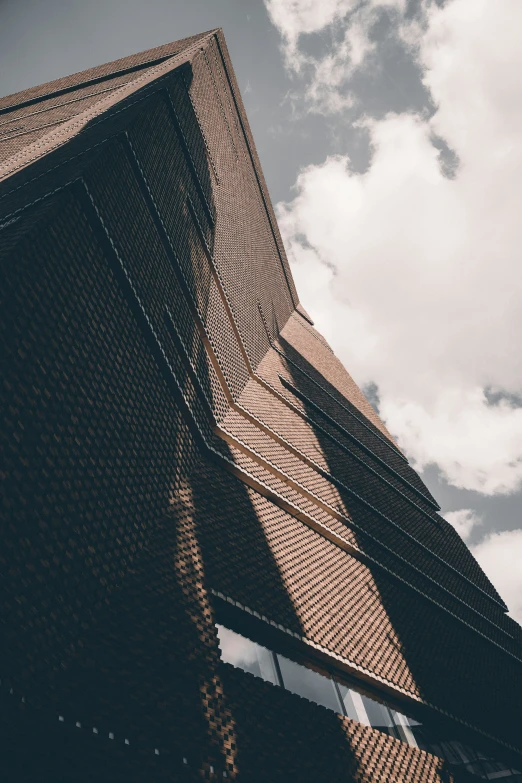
column 175, row 426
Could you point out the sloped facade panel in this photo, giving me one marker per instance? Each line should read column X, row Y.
column 195, row 487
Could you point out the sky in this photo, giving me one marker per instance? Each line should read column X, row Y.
column 390, row 135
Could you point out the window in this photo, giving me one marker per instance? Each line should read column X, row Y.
column 380, row 716
column 353, row 705
column 404, row 725
column 247, row 655
column 309, row 684
column 334, row 695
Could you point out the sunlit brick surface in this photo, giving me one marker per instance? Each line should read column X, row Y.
column 175, row 428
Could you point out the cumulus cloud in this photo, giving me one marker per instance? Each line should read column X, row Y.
column 412, row 275
column 327, row 90
column 295, row 18
column 464, row 521
column 500, row 556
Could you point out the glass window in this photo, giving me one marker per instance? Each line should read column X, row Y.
column 361, row 709
column 462, row 751
column 380, row 716
column 322, row 689
column 353, row 706
column 419, row 732
column 450, row 753
column 247, row 655
column 308, row 683
column 492, row 770
column 402, row 724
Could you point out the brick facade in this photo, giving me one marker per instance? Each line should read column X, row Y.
column 178, row 437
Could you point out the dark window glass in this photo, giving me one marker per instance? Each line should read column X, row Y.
column 419, row 732
column 451, row 754
column 380, row 716
column 404, row 728
column 463, row 753
column 494, row 769
column 321, row 689
column 312, row 685
column 247, row 655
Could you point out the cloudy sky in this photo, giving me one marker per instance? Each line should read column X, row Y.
column 390, row 134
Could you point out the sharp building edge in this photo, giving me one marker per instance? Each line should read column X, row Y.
column 216, row 563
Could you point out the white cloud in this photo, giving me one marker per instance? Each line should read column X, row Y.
column 328, row 91
column 477, row 446
column 329, row 75
column 500, row 556
column 414, row 277
column 294, row 18
column 464, row 521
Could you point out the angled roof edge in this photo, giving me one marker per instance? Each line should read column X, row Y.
column 254, row 157
column 152, row 63
column 144, row 59
column 65, row 131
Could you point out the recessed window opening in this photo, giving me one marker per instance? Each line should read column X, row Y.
column 309, row 684
column 247, row 655
column 331, row 692
column 305, row 681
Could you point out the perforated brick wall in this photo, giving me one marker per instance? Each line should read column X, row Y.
column 175, row 426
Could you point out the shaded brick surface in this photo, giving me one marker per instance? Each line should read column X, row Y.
column 175, row 426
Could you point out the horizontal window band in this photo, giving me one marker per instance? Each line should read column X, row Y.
column 262, row 660
column 357, row 673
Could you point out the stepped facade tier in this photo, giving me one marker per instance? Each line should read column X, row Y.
column 216, row 562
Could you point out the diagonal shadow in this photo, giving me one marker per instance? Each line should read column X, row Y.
column 118, row 521
column 442, row 677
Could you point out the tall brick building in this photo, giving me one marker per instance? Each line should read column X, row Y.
column 216, row 563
